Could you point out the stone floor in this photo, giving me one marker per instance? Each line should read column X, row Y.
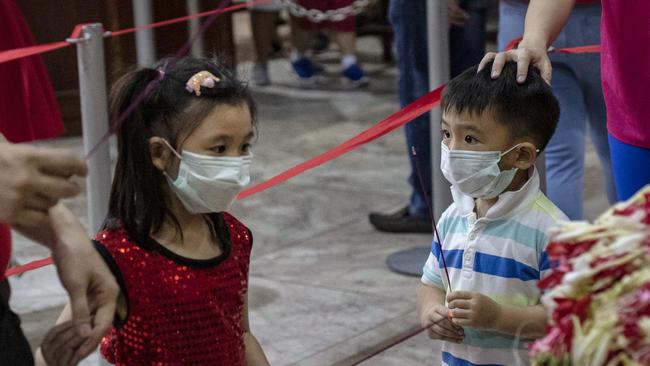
column 320, row 292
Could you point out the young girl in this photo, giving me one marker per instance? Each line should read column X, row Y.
column 180, row 259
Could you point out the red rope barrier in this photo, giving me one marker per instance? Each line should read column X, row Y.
column 17, row 53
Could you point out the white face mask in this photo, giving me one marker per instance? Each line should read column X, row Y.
column 209, row 183
column 476, row 173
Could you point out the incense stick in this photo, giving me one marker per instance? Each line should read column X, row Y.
column 416, row 165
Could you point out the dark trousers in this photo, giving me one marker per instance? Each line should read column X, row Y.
column 14, row 348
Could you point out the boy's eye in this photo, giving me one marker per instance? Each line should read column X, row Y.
column 446, row 134
column 470, row 140
column 246, row 147
column 220, row 149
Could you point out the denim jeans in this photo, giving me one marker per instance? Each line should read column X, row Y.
column 576, row 84
column 466, row 48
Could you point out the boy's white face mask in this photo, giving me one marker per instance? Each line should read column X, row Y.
column 476, row 173
column 209, row 183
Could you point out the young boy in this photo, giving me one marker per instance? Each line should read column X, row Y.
column 495, row 233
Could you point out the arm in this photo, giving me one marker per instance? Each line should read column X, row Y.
column 470, row 309
column 544, row 21
column 254, row 354
column 61, row 343
column 434, row 315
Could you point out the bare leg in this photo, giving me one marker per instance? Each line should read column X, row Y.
column 347, row 42
column 299, row 37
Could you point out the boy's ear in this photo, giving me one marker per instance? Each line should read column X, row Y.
column 159, row 152
column 526, row 156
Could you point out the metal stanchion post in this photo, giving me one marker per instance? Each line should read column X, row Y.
column 94, row 120
column 144, row 39
column 438, row 31
column 193, row 27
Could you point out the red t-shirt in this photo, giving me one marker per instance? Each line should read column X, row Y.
column 625, row 60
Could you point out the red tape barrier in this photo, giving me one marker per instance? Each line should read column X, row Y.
column 17, row 53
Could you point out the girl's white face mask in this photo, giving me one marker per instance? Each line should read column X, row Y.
column 476, row 173
column 209, row 183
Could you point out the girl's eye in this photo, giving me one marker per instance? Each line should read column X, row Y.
column 470, row 140
column 246, row 147
column 446, row 134
column 220, row 149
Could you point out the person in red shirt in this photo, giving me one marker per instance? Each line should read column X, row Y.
column 181, row 261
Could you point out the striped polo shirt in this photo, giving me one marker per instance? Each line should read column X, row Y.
column 501, row 255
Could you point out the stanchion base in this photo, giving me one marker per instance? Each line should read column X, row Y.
column 408, row 262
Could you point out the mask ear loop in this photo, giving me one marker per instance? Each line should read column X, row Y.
column 175, row 153
column 172, row 149
column 514, row 147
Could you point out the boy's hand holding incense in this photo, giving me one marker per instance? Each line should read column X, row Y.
column 439, row 326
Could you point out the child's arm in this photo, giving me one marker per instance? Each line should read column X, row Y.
column 254, row 354
column 59, row 342
column 434, row 315
column 471, row 309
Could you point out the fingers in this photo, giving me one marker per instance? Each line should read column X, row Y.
column 60, row 344
column 546, row 70
column 497, row 66
column 28, row 218
column 55, row 188
column 460, row 304
column 489, row 57
column 54, row 162
column 459, row 295
column 39, row 202
column 103, row 322
column 460, row 314
column 79, row 306
column 433, row 334
column 523, row 61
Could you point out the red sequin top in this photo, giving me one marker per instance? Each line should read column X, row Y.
column 180, row 311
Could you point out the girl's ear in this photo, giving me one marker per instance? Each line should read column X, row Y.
column 526, row 156
column 161, row 155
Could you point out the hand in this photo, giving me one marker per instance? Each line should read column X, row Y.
column 524, row 55
column 89, row 282
column 471, row 309
column 33, row 180
column 60, row 345
column 439, row 325
column 457, row 15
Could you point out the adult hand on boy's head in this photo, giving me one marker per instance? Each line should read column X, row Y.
column 439, row 326
column 524, row 55
column 472, row 309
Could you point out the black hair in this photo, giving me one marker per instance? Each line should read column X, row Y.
column 138, row 199
column 528, row 109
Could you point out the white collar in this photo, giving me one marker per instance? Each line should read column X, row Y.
column 508, row 203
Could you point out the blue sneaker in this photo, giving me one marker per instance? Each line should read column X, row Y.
column 353, row 76
column 304, row 69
